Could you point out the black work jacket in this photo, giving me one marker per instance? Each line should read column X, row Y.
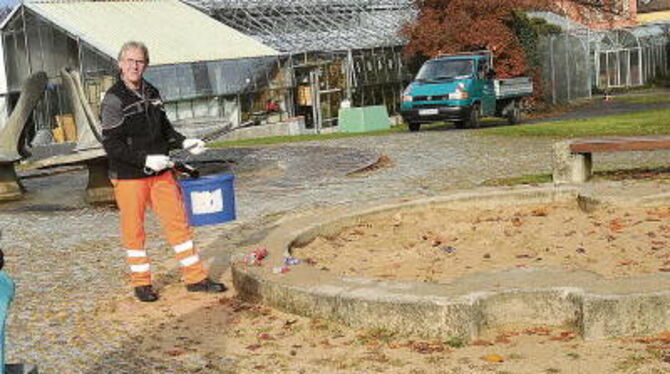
column 134, row 125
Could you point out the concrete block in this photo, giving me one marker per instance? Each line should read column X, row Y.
column 627, row 315
column 362, row 119
column 10, row 188
column 529, row 308
column 568, row 167
column 99, row 189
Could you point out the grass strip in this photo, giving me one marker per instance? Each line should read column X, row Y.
column 647, row 122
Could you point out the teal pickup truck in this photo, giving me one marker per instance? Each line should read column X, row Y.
column 461, row 88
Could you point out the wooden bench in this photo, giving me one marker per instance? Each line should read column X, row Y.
column 572, row 161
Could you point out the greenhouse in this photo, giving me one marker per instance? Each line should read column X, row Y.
column 630, row 57
column 580, row 60
column 199, row 77
column 339, row 50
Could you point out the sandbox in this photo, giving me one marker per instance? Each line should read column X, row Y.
column 442, row 244
column 467, row 264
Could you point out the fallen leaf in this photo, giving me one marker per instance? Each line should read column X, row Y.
column 503, row 340
column 397, row 219
column 481, row 342
column 539, row 212
column 326, row 343
column 493, row 358
column 537, row 331
column 253, row 347
column 564, row 336
column 290, row 322
column 616, row 225
column 175, row 352
column 427, row 347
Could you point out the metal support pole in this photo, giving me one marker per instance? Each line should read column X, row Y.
column 316, row 99
column 553, row 70
column 25, row 40
column 567, row 67
column 589, row 81
column 349, row 71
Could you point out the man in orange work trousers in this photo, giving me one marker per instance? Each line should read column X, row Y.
column 137, row 137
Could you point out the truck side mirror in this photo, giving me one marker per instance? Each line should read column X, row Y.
column 491, row 73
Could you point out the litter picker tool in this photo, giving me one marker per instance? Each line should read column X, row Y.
column 182, row 167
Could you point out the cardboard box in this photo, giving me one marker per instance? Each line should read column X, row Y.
column 58, row 134
column 65, row 122
column 304, row 96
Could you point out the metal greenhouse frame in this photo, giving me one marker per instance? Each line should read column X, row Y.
column 339, row 49
column 192, row 92
column 604, row 59
column 617, row 59
column 296, row 26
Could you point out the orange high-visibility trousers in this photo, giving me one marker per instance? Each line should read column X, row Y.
column 163, row 194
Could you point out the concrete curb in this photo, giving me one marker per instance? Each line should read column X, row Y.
column 469, row 307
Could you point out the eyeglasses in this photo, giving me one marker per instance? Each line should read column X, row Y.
column 131, row 61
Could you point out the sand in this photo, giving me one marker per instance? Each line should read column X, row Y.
column 440, row 245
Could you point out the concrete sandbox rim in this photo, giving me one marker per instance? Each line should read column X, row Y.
column 469, row 307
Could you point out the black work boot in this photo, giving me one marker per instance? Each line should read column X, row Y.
column 146, row 293
column 206, row 285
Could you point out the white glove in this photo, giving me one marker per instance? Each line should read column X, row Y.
column 194, row 146
column 156, row 163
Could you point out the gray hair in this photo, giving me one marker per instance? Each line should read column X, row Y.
column 132, row 44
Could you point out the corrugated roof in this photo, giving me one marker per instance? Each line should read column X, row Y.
column 174, row 32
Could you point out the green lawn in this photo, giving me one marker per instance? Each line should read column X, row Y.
column 306, row 138
column 647, row 122
column 656, row 172
column 655, row 98
column 299, row 138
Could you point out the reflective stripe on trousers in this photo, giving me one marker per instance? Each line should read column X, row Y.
column 163, row 194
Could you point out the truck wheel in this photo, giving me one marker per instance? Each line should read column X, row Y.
column 514, row 114
column 414, row 127
column 459, row 124
column 473, row 120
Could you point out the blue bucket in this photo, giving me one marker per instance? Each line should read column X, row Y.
column 210, row 199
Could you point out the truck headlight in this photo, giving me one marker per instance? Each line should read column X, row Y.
column 459, row 95
column 406, row 99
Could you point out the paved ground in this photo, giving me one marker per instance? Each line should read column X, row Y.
column 64, row 255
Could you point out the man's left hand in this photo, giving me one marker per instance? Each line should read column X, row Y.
column 194, row 146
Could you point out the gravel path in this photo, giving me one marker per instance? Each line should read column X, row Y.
column 65, row 259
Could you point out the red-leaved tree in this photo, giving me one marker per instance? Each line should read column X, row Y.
column 448, row 26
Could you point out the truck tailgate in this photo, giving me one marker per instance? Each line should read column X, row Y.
column 513, row 87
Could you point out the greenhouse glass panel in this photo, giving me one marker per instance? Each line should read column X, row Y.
column 635, row 68
column 612, row 69
column 624, row 65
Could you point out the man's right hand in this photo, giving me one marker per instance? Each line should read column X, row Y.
column 157, row 163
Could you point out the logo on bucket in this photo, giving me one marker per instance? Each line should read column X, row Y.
column 207, row 202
